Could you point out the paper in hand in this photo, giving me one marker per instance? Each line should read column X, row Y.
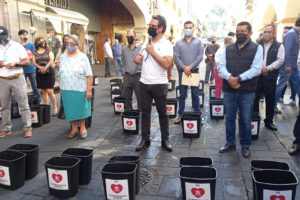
column 192, row 80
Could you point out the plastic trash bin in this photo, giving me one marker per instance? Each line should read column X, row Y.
column 216, row 108
column 37, row 116
column 31, row 159
column 95, row 80
column 130, row 121
column 171, row 85
column 115, row 86
column 119, row 104
column 255, row 125
column 172, row 107
column 85, row 165
column 46, row 113
column 114, row 94
column 63, row 176
column 119, row 180
column 33, row 100
column 212, row 92
column 201, row 98
column 198, row 182
column 191, row 124
column 201, row 85
column 195, row 162
column 12, row 169
column 115, row 81
column 133, row 160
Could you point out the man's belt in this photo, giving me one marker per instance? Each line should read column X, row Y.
column 138, row 73
column 11, row 77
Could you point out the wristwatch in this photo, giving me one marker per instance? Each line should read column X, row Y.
column 239, row 79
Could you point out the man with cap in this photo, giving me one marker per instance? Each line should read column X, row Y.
column 13, row 57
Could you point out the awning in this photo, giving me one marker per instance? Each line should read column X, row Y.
column 62, row 15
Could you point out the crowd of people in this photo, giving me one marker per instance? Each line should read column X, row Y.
column 243, row 70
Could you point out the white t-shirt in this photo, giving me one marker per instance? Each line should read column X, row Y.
column 12, row 52
column 152, row 72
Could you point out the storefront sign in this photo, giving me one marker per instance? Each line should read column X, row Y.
column 58, row 3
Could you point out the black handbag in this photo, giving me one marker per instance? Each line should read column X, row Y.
column 61, row 112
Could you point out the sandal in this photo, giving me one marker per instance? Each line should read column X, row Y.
column 83, row 135
column 72, row 135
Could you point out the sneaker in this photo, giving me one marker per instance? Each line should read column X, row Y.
column 280, row 100
column 277, row 111
column 178, row 120
column 290, row 102
column 262, row 99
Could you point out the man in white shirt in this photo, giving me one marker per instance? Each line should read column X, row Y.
column 13, row 57
column 108, row 55
column 156, row 58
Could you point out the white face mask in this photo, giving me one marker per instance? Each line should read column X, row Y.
column 267, row 37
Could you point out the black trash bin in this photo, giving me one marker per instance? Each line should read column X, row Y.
column 195, row 162
column 88, row 121
column 31, row 159
column 191, row 124
column 198, row 182
column 172, row 107
column 266, row 164
column 46, row 113
column 12, row 169
column 85, row 165
column 95, row 80
column 119, row 104
column 119, row 180
column 201, row 85
column 115, row 81
column 171, row 85
column 216, row 108
column 63, row 176
column 114, row 94
column 37, row 116
column 212, row 92
column 14, row 109
column 272, row 184
column 33, row 100
column 116, row 86
column 201, row 99
column 130, row 121
column 92, row 99
column 132, row 160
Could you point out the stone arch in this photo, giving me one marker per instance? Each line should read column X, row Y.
column 292, row 9
column 270, row 16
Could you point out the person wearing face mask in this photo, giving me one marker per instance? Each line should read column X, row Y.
column 156, row 58
column 273, row 59
column 116, row 50
column 13, row 57
column 61, row 50
column 76, row 80
column 210, row 53
column 240, row 66
column 30, row 70
column 131, row 79
column 188, row 55
column 45, row 78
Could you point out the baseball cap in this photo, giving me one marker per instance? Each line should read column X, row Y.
column 4, row 35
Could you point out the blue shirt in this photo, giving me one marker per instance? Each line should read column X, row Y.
column 291, row 46
column 30, row 68
column 254, row 70
column 117, row 50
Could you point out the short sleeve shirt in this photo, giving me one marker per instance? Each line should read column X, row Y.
column 152, row 72
column 73, row 72
column 12, row 52
column 30, row 68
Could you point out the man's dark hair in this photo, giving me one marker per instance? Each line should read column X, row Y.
column 249, row 27
column 288, row 27
column 188, row 22
column 161, row 22
column 232, row 34
column 22, row 31
column 297, row 23
column 272, row 25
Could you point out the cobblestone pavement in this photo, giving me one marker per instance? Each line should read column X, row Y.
column 107, row 139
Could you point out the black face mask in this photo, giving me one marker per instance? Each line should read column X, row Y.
column 241, row 38
column 42, row 45
column 152, row 32
column 3, row 42
column 130, row 40
column 25, row 38
column 214, row 42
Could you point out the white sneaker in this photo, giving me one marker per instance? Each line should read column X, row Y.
column 280, row 100
column 291, row 102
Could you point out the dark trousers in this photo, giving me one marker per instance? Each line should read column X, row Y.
column 268, row 88
column 297, row 128
column 210, row 66
column 131, row 83
column 107, row 66
column 158, row 92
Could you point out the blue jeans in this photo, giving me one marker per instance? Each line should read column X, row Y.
column 295, row 82
column 183, row 93
column 32, row 80
column 283, row 79
column 242, row 102
column 118, row 60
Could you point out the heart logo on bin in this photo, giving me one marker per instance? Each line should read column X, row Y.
column 116, row 188
column 275, row 197
column 2, row 173
column 198, row 192
column 169, row 108
column 32, row 116
column 119, row 106
column 252, row 126
column 217, row 109
column 129, row 123
column 190, row 125
column 57, row 177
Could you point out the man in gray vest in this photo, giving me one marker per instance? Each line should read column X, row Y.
column 239, row 67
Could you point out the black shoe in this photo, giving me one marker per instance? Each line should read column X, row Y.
column 105, row 75
column 178, row 120
column 277, row 111
column 226, row 148
column 294, row 149
column 143, row 145
column 246, row 152
column 271, row 126
column 167, row 145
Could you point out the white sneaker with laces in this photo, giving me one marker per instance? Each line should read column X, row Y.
column 291, row 102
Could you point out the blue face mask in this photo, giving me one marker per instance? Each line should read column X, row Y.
column 188, row 32
column 117, row 42
column 71, row 48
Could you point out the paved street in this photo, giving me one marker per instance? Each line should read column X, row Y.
column 107, row 139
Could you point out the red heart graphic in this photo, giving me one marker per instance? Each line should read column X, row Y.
column 190, row 125
column 169, row 108
column 252, row 126
column 214, row 91
column 115, row 88
column 57, row 177
column 198, row 192
column 129, row 123
column 116, row 188
column 32, row 116
column 119, row 106
column 217, row 109
column 275, row 197
column 2, row 173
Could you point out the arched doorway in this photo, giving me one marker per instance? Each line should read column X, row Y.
column 270, row 16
